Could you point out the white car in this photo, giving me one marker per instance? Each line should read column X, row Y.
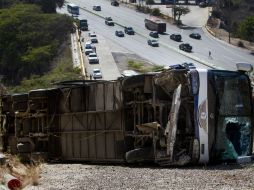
column 153, row 43
column 93, row 38
column 97, row 74
column 88, row 48
column 92, row 58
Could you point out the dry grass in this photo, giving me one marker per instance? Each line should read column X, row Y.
column 141, row 67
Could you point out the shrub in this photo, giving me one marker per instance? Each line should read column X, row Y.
column 240, row 44
column 156, row 12
column 148, row 9
column 246, row 29
column 216, row 14
column 135, row 65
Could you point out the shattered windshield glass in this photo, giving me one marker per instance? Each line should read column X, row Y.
column 234, row 126
column 233, row 137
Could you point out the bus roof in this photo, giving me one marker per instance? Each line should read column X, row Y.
column 72, row 5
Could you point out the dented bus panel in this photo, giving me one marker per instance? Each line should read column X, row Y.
column 175, row 117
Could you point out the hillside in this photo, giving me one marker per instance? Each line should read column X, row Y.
column 233, row 12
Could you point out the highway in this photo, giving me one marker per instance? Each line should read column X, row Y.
column 223, row 55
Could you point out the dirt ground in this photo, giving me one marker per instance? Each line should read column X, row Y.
column 122, row 59
column 86, row 176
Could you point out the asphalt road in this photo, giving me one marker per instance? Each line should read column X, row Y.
column 223, row 55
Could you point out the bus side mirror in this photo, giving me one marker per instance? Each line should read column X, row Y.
column 244, row 67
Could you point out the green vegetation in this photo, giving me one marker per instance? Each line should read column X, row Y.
column 47, row 6
column 141, row 68
column 147, row 9
column 29, row 41
column 236, row 17
column 178, row 11
column 246, row 29
column 63, row 71
column 138, row 66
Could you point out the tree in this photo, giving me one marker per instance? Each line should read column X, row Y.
column 6, row 3
column 47, row 6
column 156, row 12
column 178, row 11
column 246, row 29
column 29, row 40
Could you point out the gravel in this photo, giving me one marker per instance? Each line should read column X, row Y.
column 84, row 176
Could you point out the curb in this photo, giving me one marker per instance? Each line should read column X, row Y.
column 83, row 69
column 210, row 31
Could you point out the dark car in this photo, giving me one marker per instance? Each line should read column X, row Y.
column 119, row 33
column 109, row 21
column 189, row 65
column 176, row 37
column 202, row 4
column 129, row 30
column 154, row 34
column 185, row 47
column 195, row 36
column 97, row 8
column 114, row 3
column 153, row 43
column 177, row 66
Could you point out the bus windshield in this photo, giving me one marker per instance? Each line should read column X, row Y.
column 234, row 108
column 233, row 94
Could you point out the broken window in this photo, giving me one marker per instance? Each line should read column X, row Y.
column 233, row 131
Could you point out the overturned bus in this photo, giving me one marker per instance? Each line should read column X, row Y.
column 175, row 117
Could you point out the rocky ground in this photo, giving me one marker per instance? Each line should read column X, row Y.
column 86, row 176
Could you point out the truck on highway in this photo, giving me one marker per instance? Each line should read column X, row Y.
column 155, row 24
column 83, row 24
column 175, row 117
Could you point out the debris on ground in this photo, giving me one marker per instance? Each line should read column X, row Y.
column 16, row 175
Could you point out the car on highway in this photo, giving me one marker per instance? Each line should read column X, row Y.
column 93, row 58
column 188, row 65
column 129, row 30
column 153, row 42
column 202, row 4
column 176, row 37
column 195, row 36
column 93, row 38
column 176, row 66
column 119, row 33
column 114, row 3
column 97, row 8
column 185, row 47
column 97, row 74
column 109, row 21
column 154, row 34
column 88, row 48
